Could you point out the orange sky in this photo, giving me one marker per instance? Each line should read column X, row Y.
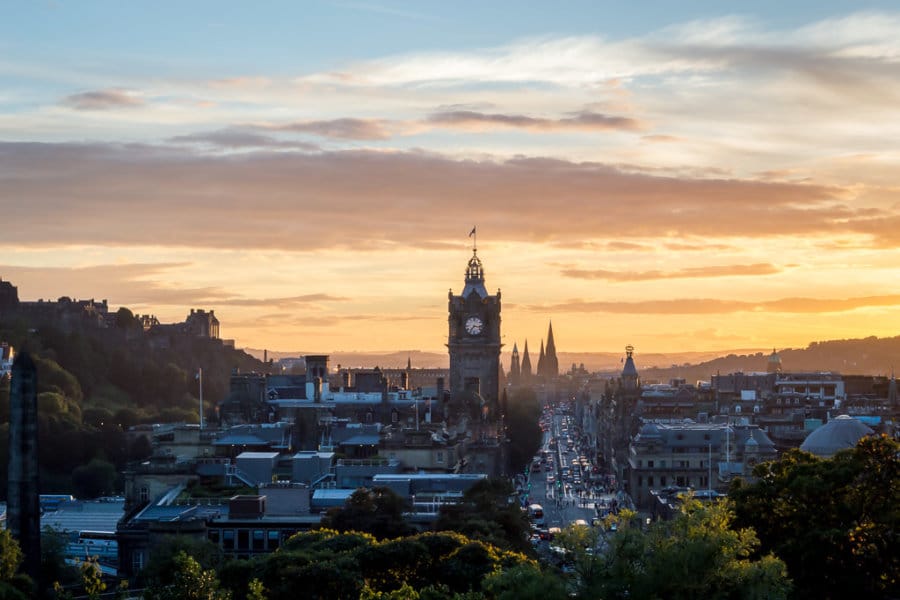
column 709, row 184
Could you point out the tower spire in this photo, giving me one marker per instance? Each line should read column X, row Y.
column 526, row 365
column 551, row 362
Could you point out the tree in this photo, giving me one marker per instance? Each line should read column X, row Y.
column 94, row 479
column 835, row 522
column 378, row 511
column 525, row 582
column 162, row 564
column 92, row 578
column 189, row 582
column 13, row 585
column 696, row 555
column 487, row 513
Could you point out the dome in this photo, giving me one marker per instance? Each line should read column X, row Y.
column 838, row 434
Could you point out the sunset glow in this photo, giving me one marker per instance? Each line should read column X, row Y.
column 674, row 178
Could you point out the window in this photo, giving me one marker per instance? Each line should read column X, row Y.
column 650, row 464
column 679, row 481
column 639, row 463
column 650, row 481
column 228, row 539
column 274, row 540
column 662, row 464
column 213, row 536
column 243, row 539
column 259, row 540
column 145, row 494
column 640, row 481
column 439, row 457
column 137, row 561
column 662, row 481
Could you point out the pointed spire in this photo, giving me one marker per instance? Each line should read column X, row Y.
column 526, row 364
column 551, row 362
column 541, row 366
column 408, row 363
column 514, row 368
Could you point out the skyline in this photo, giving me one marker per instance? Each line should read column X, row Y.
column 673, row 177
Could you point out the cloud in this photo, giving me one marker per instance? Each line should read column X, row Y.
column 707, row 306
column 141, row 284
column 108, row 99
column 283, row 302
column 235, row 138
column 341, row 129
column 691, row 272
column 582, row 121
column 146, row 196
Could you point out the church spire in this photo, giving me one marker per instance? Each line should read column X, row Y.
column 551, row 362
column 514, row 368
column 541, row 366
column 526, row 365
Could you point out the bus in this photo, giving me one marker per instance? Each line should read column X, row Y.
column 51, row 502
column 536, row 513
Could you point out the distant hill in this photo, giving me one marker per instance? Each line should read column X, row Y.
column 866, row 356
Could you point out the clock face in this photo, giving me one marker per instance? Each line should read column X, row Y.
column 474, row 325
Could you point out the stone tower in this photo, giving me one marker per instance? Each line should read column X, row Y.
column 514, row 369
column 23, row 500
column 474, row 337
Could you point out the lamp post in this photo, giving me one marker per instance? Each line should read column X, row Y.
column 200, row 379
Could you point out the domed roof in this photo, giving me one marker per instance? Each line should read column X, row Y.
column 838, row 434
column 629, row 370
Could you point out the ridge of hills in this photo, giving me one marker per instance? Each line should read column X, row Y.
column 858, row 356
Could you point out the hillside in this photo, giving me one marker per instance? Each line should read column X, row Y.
column 93, row 383
column 866, row 356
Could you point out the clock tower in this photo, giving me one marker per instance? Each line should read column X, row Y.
column 474, row 343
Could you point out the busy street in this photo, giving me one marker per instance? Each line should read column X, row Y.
column 563, row 485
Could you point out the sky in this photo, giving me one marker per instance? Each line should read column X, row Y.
column 672, row 175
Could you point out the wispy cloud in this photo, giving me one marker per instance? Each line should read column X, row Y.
column 342, row 129
column 688, row 273
column 108, row 99
column 708, row 306
column 584, row 121
column 234, row 138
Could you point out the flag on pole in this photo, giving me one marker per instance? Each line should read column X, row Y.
column 471, row 233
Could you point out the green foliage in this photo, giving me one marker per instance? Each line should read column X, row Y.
column 53, row 560
column 523, row 413
column 696, row 555
column 378, row 511
column 189, row 582
column 92, row 578
column 13, row 585
column 10, row 556
column 525, row 582
column 163, row 562
column 97, row 478
column 435, row 566
column 486, row 513
column 835, row 522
